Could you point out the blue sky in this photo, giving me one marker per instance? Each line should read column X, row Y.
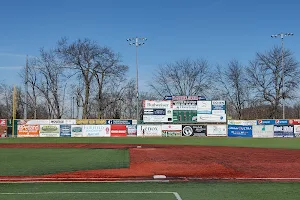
column 216, row 30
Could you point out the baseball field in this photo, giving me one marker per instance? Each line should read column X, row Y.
column 127, row 168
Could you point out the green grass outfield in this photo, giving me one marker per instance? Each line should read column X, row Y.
column 22, row 162
column 187, row 191
column 289, row 143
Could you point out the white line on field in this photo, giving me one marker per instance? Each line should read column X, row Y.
column 87, row 181
column 242, row 178
column 41, row 193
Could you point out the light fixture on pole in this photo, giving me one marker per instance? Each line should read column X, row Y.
column 282, row 35
column 137, row 42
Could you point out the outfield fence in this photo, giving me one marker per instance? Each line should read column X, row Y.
column 262, row 128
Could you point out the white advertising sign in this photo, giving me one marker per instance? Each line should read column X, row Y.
column 241, row 122
column 77, row 131
column 204, row 107
column 216, row 130
column 211, row 118
column 49, row 130
column 149, row 130
column 157, row 104
column 38, row 121
column 171, row 130
column 263, row 131
column 96, row 130
column 62, row 121
column 297, row 130
column 158, row 118
column 184, row 105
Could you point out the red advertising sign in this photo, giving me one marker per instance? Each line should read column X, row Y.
column 117, row 130
column 3, row 128
column 294, row 121
column 3, row 122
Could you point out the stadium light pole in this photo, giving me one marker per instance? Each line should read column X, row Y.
column 282, row 35
column 26, row 89
column 137, row 41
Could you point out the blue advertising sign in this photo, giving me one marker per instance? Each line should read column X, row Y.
column 168, row 98
column 239, row 131
column 284, row 131
column 119, row 122
column 272, row 122
column 65, row 130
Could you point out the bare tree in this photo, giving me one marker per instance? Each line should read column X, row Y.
column 109, row 71
column 266, row 78
column 232, row 87
column 46, row 80
column 6, row 93
column 184, row 77
column 81, row 56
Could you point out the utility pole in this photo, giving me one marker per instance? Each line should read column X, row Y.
column 282, row 35
column 137, row 42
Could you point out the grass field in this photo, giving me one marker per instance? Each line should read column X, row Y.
column 20, row 162
column 126, row 191
column 187, row 191
column 289, row 143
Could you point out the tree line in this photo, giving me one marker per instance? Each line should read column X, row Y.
column 84, row 78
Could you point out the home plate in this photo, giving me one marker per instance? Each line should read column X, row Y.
column 159, row 177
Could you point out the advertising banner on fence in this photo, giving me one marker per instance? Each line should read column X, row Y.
column 283, row 131
column 117, row 130
column 37, row 121
column 157, row 118
column 77, row 131
column 149, row 130
column 3, row 128
column 131, row 130
column 157, row 104
column 171, row 130
column 239, row 131
column 211, row 118
column 90, row 121
column 119, row 121
column 65, row 130
column 62, row 121
column 96, row 130
column 204, row 107
column 3, row 122
column 242, row 122
column 216, row 130
column 218, row 107
column 294, row 121
column 272, row 122
column 157, row 111
column 194, row 130
column 263, row 131
column 49, row 130
column 297, row 130
column 27, row 130
column 184, row 116
column 50, row 121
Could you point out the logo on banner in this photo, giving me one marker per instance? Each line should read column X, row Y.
column 187, row 131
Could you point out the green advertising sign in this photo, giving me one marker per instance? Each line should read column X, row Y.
column 184, row 116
